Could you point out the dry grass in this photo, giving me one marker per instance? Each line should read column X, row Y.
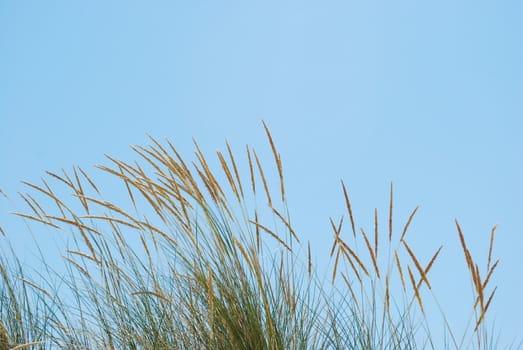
column 481, row 303
column 202, row 276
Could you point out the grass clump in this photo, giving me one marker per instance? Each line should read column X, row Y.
column 189, row 259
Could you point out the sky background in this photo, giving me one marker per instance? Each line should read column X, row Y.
column 428, row 95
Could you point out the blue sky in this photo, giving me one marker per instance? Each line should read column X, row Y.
column 428, row 95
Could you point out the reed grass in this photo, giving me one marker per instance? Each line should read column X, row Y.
column 192, row 260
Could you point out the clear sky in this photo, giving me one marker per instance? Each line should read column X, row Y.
column 427, row 94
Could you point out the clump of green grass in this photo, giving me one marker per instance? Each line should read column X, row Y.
column 190, row 259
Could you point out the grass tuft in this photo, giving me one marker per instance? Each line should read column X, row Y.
column 186, row 258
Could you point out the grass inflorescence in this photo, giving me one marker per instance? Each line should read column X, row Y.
column 188, row 258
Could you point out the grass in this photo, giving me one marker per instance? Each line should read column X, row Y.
column 191, row 260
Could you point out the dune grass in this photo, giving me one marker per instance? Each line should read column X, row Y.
column 190, row 259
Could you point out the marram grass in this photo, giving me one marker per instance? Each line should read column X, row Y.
column 190, row 259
